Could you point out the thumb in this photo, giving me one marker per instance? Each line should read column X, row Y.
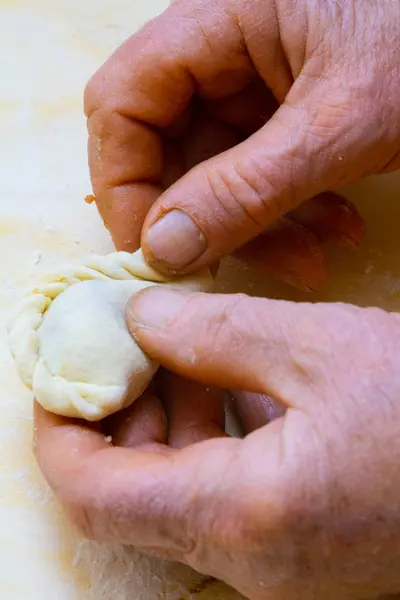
column 231, row 198
column 281, row 349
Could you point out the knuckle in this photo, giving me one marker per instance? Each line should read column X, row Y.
column 102, row 125
column 225, row 326
column 264, row 177
column 245, row 199
column 102, row 88
column 92, row 94
column 119, row 150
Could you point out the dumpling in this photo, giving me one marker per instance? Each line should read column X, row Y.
column 70, row 341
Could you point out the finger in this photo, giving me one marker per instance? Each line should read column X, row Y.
column 291, row 251
column 288, row 252
column 124, row 209
column 130, row 182
column 205, row 138
column 247, row 110
column 142, row 498
column 205, row 497
column 226, row 201
column 286, row 350
column 331, row 217
column 174, row 164
column 144, row 422
column 143, row 89
column 195, row 412
column 256, row 410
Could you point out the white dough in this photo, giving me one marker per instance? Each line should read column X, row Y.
column 70, row 341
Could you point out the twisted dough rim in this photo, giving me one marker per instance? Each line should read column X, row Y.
column 30, row 313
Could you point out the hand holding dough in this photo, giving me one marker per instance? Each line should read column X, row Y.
column 70, row 342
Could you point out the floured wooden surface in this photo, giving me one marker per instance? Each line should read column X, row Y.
column 48, row 51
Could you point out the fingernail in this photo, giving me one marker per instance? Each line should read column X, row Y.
column 154, row 308
column 175, row 240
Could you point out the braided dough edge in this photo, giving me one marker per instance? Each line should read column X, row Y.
column 78, row 398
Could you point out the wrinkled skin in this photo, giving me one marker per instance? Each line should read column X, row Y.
column 305, row 507
column 235, row 115
column 295, row 98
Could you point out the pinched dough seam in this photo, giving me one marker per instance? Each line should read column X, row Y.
column 24, row 326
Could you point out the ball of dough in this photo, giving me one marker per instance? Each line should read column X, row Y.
column 70, row 341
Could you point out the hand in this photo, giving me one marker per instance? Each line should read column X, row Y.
column 278, row 101
column 304, row 507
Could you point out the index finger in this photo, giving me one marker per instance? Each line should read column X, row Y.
column 133, row 496
column 143, row 88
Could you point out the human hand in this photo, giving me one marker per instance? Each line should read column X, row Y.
column 293, row 98
column 304, row 507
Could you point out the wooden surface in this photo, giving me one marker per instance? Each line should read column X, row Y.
column 48, row 51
